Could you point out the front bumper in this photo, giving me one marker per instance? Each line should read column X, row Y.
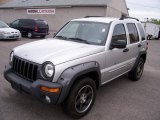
column 10, row 36
column 32, row 88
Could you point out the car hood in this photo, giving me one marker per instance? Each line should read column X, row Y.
column 8, row 30
column 55, row 51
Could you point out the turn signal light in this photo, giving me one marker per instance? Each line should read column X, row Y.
column 51, row 90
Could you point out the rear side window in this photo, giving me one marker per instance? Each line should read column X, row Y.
column 141, row 31
column 119, row 33
column 26, row 22
column 41, row 23
column 133, row 33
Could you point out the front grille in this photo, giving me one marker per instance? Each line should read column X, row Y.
column 25, row 69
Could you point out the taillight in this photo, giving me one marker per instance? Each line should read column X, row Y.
column 36, row 29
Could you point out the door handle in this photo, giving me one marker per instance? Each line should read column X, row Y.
column 139, row 45
column 126, row 50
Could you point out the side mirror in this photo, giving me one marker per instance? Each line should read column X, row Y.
column 118, row 44
column 54, row 34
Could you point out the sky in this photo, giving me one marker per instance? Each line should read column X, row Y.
column 144, row 9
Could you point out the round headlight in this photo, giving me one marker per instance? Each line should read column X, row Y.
column 11, row 56
column 49, row 70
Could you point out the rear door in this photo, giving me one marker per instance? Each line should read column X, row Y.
column 134, row 42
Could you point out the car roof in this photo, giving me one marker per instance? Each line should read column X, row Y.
column 97, row 19
column 32, row 19
column 105, row 19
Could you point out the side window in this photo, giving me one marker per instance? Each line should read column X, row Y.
column 141, row 31
column 119, row 33
column 15, row 23
column 26, row 22
column 133, row 33
column 21, row 23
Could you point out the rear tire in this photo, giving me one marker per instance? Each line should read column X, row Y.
column 137, row 72
column 81, row 98
column 30, row 35
column 43, row 36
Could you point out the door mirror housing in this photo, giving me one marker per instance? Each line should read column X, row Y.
column 118, row 44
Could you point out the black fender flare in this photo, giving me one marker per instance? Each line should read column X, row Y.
column 70, row 75
column 140, row 55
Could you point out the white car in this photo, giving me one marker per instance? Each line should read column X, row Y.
column 8, row 33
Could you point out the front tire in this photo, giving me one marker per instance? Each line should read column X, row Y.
column 81, row 98
column 137, row 72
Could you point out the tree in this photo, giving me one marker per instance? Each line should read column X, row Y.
column 156, row 21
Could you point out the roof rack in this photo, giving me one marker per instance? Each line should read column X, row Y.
column 123, row 17
column 92, row 16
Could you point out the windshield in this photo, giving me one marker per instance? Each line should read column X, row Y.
column 3, row 25
column 82, row 31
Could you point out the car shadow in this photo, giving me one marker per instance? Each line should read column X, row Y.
column 9, row 40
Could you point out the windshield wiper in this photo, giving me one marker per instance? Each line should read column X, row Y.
column 79, row 39
column 62, row 37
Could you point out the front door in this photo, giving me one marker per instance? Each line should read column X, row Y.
column 117, row 60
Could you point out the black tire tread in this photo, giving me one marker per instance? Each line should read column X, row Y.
column 132, row 74
column 67, row 105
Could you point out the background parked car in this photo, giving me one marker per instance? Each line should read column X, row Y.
column 8, row 33
column 31, row 27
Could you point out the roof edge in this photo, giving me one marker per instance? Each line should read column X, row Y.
column 56, row 6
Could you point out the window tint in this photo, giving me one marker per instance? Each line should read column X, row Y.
column 119, row 33
column 141, row 31
column 133, row 34
column 26, row 22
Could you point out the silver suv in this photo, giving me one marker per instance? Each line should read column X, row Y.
column 85, row 54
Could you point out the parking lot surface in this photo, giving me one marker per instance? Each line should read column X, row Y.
column 120, row 99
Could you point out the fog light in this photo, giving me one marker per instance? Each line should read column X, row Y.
column 48, row 99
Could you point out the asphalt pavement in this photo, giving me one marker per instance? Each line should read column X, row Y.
column 120, row 99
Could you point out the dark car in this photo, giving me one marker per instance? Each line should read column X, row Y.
column 31, row 27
